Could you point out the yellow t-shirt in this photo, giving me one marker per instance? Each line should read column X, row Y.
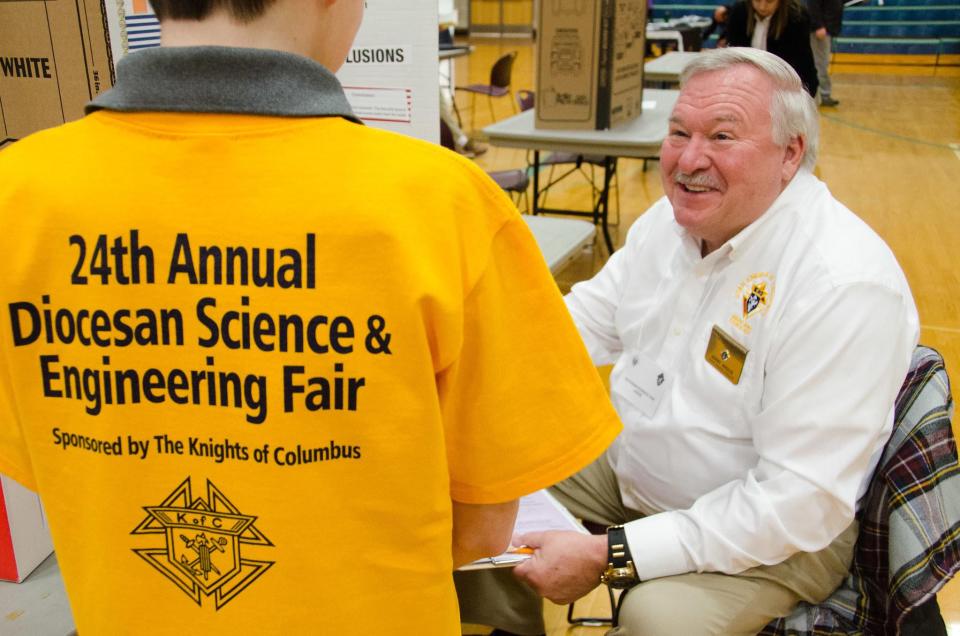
column 247, row 362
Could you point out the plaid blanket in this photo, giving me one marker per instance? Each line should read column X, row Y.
column 909, row 519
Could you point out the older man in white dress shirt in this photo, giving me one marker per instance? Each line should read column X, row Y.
column 759, row 332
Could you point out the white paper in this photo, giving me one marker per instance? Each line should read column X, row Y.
column 541, row 511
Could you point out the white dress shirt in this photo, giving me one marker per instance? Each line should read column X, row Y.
column 760, row 30
column 750, row 473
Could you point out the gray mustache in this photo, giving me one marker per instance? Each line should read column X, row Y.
column 697, row 179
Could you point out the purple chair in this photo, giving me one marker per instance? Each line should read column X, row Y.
column 514, row 182
column 500, row 86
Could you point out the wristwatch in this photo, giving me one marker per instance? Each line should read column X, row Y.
column 620, row 572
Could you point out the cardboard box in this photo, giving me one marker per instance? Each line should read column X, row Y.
column 589, row 62
column 24, row 535
column 54, row 57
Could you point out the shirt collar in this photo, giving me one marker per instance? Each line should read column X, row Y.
column 215, row 79
column 800, row 182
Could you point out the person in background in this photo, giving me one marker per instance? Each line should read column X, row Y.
column 301, row 368
column 779, row 26
column 755, row 384
column 463, row 143
column 826, row 20
column 718, row 25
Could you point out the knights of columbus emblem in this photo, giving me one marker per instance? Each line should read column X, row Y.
column 756, row 298
column 203, row 539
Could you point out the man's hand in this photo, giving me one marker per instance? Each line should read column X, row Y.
column 821, row 33
column 565, row 565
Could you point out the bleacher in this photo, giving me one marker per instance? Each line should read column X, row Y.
column 903, row 31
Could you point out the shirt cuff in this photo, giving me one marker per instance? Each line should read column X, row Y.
column 656, row 548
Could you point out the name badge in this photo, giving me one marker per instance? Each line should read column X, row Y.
column 726, row 355
column 644, row 384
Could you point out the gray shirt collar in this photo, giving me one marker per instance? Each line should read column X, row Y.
column 215, row 79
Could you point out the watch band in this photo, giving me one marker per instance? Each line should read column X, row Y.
column 620, row 572
column 618, row 552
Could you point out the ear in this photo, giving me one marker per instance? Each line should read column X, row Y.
column 793, row 155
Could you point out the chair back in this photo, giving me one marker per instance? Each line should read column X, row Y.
column 526, row 99
column 446, row 137
column 502, row 71
column 511, row 180
column 446, row 38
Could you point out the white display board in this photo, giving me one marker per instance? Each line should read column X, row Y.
column 390, row 76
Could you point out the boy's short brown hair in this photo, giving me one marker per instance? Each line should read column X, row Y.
column 243, row 10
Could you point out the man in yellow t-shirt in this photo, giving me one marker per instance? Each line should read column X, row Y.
column 272, row 371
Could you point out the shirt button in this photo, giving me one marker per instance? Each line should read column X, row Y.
column 678, row 331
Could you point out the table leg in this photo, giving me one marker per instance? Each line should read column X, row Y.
column 446, row 75
column 536, row 182
column 609, row 170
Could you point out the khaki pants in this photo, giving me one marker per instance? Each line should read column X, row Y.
column 689, row 604
column 821, row 59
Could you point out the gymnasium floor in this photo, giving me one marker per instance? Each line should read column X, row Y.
column 885, row 152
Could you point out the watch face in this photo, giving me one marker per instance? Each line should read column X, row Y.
column 620, row 578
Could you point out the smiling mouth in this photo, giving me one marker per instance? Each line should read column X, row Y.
column 696, row 182
column 693, row 189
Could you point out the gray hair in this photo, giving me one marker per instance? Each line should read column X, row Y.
column 792, row 110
